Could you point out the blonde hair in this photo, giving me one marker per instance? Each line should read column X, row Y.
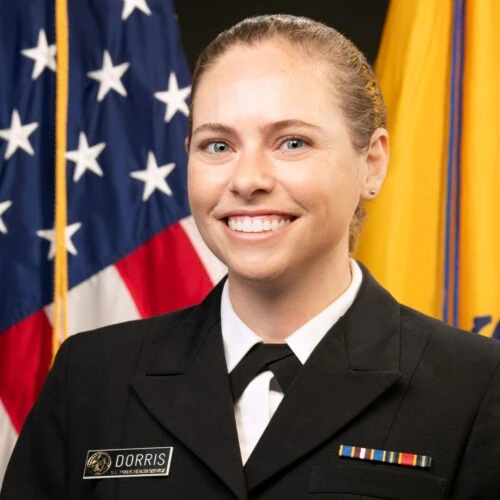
column 354, row 86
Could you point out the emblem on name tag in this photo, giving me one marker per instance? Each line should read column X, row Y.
column 128, row 462
column 385, row 456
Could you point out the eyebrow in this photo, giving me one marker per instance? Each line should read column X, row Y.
column 265, row 129
column 283, row 124
column 214, row 127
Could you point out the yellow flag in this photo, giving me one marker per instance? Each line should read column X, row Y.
column 402, row 243
column 479, row 275
column 433, row 238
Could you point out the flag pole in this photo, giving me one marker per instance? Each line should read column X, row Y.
column 60, row 325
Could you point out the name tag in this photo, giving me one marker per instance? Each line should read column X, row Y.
column 127, row 462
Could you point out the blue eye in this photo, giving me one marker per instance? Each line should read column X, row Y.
column 217, row 147
column 291, row 144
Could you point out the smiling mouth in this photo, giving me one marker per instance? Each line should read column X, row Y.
column 259, row 224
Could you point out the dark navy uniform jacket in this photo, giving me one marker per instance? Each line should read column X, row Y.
column 385, row 377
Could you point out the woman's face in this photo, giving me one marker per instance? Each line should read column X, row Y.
column 273, row 177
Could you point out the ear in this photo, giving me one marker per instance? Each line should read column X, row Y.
column 186, row 144
column 377, row 159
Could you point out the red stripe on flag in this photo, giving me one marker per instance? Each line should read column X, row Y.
column 165, row 273
column 25, row 356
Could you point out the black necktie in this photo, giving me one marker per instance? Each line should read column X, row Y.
column 278, row 358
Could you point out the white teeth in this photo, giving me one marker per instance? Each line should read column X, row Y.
column 247, row 225
column 257, row 224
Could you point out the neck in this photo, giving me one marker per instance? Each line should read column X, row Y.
column 275, row 309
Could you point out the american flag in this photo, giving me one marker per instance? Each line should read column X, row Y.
column 132, row 246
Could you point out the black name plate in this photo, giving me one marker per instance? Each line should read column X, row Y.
column 128, row 462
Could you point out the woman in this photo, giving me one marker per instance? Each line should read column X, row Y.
column 328, row 374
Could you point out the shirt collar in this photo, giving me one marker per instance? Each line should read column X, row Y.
column 238, row 338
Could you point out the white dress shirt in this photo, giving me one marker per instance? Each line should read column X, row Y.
column 262, row 396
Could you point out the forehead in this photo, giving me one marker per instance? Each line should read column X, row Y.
column 272, row 79
column 274, row 53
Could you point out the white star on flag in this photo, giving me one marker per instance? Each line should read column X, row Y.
column 130, row 5
column 154, row 177
column 4, row 206
column 174, row 98
column 17, row 135
column 43, row 54
column 109, row 76
column 50, row 235
column 85, row 157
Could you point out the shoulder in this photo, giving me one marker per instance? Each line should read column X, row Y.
column 120, row 350
column 118, row 343
column 449, row 343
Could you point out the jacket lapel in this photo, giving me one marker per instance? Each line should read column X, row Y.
column 186, row 388
column 356, row 362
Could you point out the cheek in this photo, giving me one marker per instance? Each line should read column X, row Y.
column 195, row 187
column 326, row 188
column 202, row 184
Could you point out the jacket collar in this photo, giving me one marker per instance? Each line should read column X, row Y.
column 186, row 386
column 355, row 363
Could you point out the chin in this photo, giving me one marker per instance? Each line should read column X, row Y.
column 256, row 273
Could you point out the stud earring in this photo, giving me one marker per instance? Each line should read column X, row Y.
column 373, row 192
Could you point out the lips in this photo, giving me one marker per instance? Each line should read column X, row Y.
column 258, row 224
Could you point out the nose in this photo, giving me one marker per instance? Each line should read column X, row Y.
column 252, row 175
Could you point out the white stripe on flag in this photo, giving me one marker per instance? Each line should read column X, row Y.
column 215, row 268
column 101, row 300
column 8, row 436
